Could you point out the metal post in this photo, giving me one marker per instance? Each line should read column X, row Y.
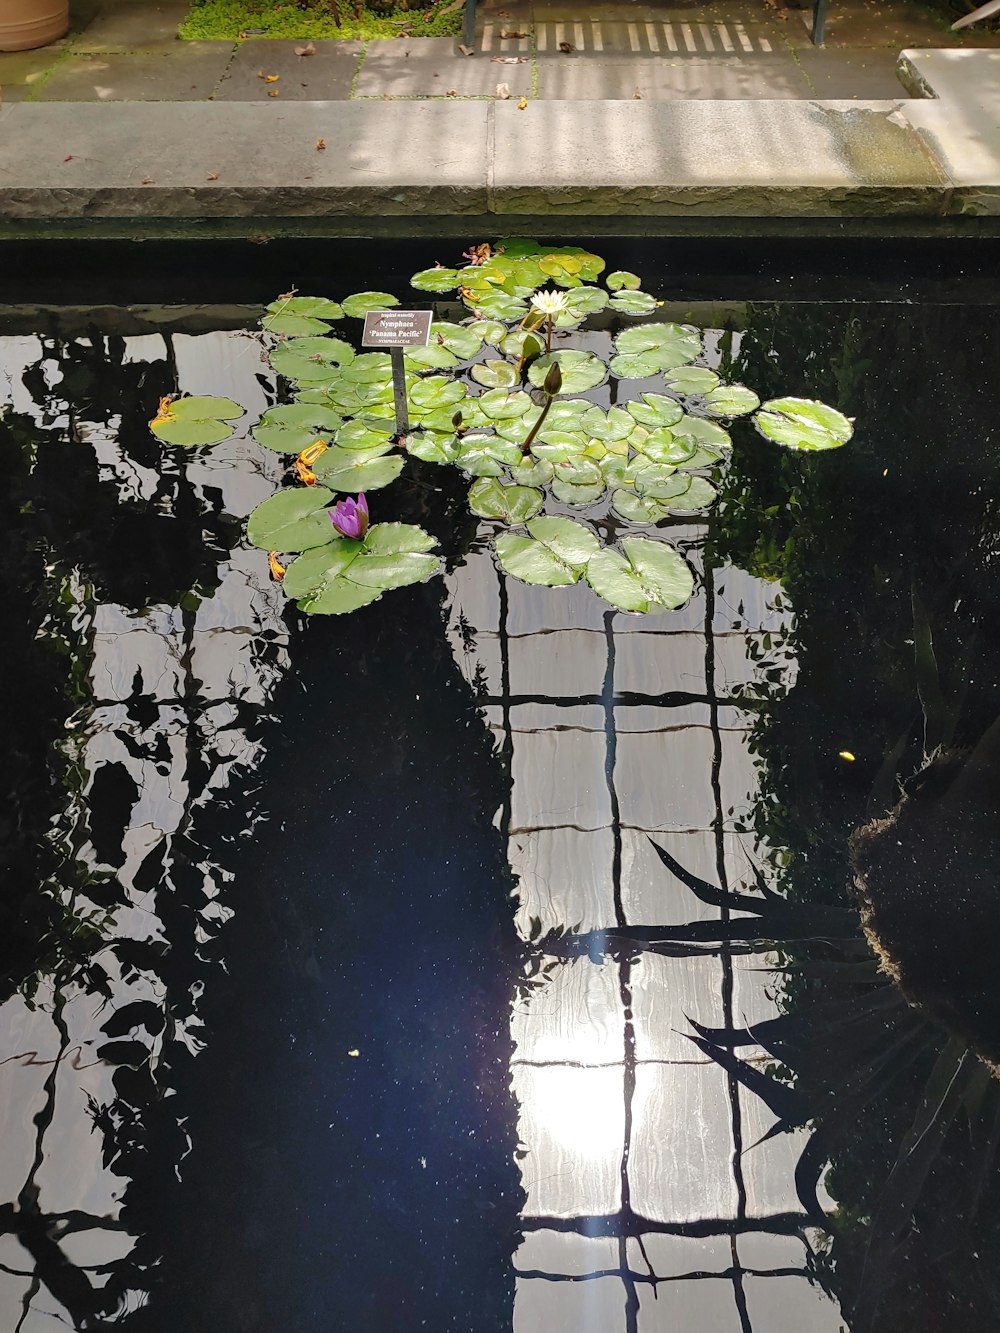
column 469, row 28
column 819, row 22
column 399, row 390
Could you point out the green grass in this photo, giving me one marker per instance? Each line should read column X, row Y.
column 225, row 20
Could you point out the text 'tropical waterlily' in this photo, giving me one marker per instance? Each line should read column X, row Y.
column 350, row 517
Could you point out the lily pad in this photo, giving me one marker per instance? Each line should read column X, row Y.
column 349, row 574
column 637, row 508
column 497, row 305
column 622, row 279
column 360, row 434
column 307, row 575
column 673, row 344
column 296, row 316
column 311, row 360
column 569, row 493
column 731, row 400
column 502, row 405
column 195, row 420
column 494, row 374
column 486, row 456
column 292, row 520
column 615, row 424
column 662, row 446
column 523, row 343
column 490, row 498
column 556, row 553
column 369, row 368
column 462, row 339
column 645, row 575
column 433, row 448
column 533, row 472
column 587, row 300
column 294, row 426
column 636, row 365
column 358, row 305
column 802, row 423
column 348, row 470
column 702, row 431
column 488, row 331
column 655, row 410
column 434, row 356
column 435, row 280
column 580, row 370
column 692, row 379
column 633, row 303
column 436, row 391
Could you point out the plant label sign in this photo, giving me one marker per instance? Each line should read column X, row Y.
column 396, row 329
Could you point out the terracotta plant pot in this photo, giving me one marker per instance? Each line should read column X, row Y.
column 25, row 24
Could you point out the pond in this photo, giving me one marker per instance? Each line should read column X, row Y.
column 490, row 958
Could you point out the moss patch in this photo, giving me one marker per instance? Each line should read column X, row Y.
column 228, row 20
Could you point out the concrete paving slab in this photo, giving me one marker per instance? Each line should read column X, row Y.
column 869, row 75
column 754, row 159
column 433, row 67
column 381, row 160
column 867, row 23
column 131, row 25
column 187, row 74
column 22, row 71
column 660, row 78
column 952, row 75
column 964, row 138
column 325, row 76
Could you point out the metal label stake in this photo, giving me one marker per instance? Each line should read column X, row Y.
column 394, row 330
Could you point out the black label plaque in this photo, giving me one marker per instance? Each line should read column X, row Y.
column 397, row 328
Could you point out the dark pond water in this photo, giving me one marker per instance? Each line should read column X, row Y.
column 446, row 966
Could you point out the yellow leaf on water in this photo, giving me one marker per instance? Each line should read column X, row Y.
column 845, row 754
column 355, row 1053
column 276, row 567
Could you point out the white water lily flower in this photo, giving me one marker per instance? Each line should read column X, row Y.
column 549, row 303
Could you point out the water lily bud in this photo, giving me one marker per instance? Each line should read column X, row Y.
column 553, row 380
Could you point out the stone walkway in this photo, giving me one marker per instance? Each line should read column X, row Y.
column 127, row 50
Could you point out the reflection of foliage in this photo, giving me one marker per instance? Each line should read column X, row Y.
column 890, row 567
column 527, row 439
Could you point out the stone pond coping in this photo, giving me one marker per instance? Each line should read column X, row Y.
column 384, row 163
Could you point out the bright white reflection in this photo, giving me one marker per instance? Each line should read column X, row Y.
column 585, row 1118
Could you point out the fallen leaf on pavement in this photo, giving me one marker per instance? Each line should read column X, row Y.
column 271, row 78
column 273, row 92
column 508, row 60
column 637, row 96
column 510, row 36
column 148, row 180
column 503, row 91
column 466, row 50
column 320, row 145
column 68, row 157
column 309, row 50
column 566, row 47
column 522, row 104
column 213, row 177
column 452, row 92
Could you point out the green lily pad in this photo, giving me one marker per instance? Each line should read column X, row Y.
column 486, row 456
column 587, row 300
column 338, row 597
column 561, row 449
column 393, row 538
column 297, row 316
column 497, row 305
column 731, row 400
column 662, row 446
column 523, row 343
column 633, row 303
column 312, row 571
column 533, row 472
column 569, row 493
column 556, row 552
column 675, row 344
column 488, row 331
column 196, row 421
column 433, row 448
column 502, row 405
column 369, row 368
column 396, row 570
column 614, row 468
column 698, row 493
column 655, row 410
column 435, row 280
column 580, row 370
column 359, row 434
column 292, row 520
column 692, row 379
column 802, row 423
column 615, row 424
column 646, row 575
column 490, row 498
column 462, row 339
column 635, row 365
column 621, row 279
column 295, row 426
column 349, row 470
column 432, row 357
column 311, row 360
column 580, row 471
column 702, row 431
column 637, row 508
column 494, row 374
column 436, row 391
column 649, row 478
column 358, row 305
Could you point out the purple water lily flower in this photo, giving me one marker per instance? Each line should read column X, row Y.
column 350, row 518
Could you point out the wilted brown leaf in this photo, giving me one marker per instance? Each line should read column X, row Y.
column 320, row 145
column 566, row 47
column 466, row 50
column 273, row 92
column 503, row 91
column 213, row 176
column 307, row 50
